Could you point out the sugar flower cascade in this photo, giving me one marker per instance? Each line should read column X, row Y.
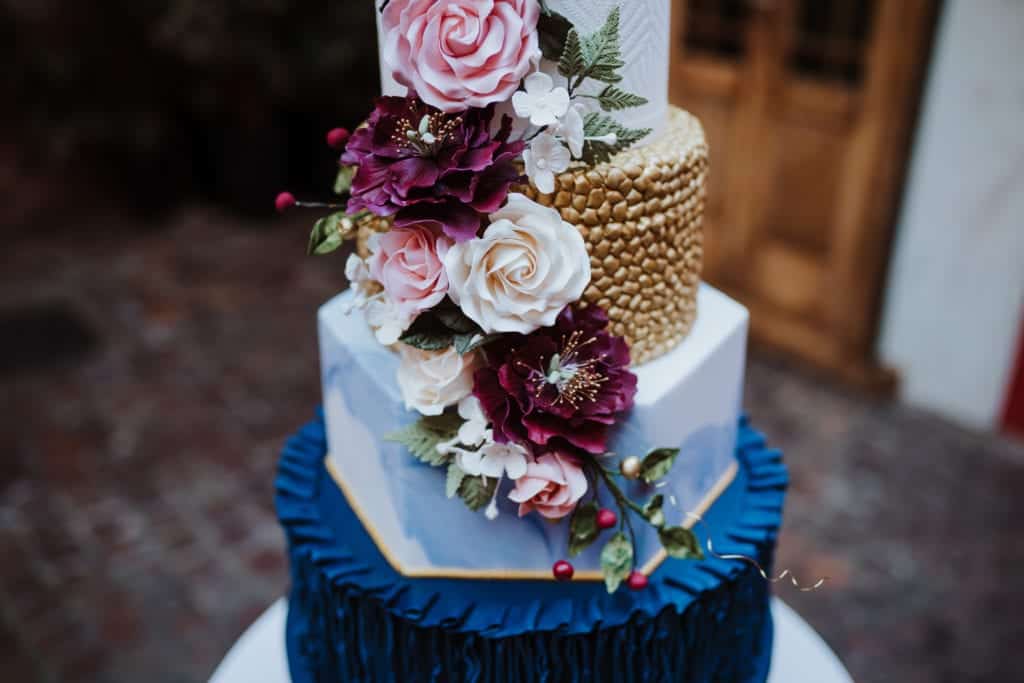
column 515, row 385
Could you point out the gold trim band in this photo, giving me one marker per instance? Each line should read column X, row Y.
column 513, row 574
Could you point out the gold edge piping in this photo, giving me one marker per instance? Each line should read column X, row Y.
column 509, row 574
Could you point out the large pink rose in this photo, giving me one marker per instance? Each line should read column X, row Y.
column 457, row 54
column 552, row 486
column 409, row 263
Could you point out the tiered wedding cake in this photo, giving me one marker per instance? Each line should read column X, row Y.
column 529, row 434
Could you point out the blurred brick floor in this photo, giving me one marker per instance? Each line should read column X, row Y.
column 137, row 532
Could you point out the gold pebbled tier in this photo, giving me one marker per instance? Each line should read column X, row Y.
column 640, row 215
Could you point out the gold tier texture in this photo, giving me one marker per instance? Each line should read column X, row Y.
column 640, row 214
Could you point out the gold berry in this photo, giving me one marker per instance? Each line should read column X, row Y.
column 630, row 467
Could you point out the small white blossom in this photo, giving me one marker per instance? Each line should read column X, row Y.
column 545, row 157
column 384, row 317
column 356, row 270
column 477, row 454
column 473, row 431
column 358, row 275
column 494, row 460
column 541, row 102
column 570, row 129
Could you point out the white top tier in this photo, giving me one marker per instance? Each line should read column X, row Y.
column 644, row 36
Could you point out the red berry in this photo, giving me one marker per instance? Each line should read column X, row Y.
column 337, row 137
column 637, row 581
column 284, row 201
column 606, row 518
column 562, row 570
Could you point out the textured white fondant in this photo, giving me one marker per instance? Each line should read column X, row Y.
column 644, row 35
column 688, row 398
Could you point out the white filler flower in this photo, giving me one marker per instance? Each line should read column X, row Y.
column 495, row 460
column 541, row 102
column 545, row 157
column 570, row 129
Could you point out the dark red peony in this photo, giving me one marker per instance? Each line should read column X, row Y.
column 568, row 382
column 427, row 167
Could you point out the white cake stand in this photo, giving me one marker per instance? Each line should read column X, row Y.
column 799, row 655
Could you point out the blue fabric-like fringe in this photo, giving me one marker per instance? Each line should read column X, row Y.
column 352, row 618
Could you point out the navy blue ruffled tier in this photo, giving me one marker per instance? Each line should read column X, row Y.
column 352, row 618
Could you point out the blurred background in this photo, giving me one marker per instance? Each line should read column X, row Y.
column 157, row 322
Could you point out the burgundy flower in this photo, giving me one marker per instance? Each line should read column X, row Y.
column 427, row 167
column 568, row 382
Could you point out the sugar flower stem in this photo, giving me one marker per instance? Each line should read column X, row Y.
column 620, row 497
column 624, row 504
column 319, row 205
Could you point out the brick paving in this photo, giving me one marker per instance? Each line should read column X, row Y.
column 152, row 372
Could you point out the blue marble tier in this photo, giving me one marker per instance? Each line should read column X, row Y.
column 689, row 398
column 353, row 618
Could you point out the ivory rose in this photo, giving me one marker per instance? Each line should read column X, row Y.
column 552, row 486
column 528, row 265
column 409, row 263
column 457, row 54
column 432, row 380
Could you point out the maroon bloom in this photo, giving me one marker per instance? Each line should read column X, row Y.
column 424, row 166
column 568, row 382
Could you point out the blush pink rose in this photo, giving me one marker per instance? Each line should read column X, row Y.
column 409, row 263
column 552, row 486
column 457, row 54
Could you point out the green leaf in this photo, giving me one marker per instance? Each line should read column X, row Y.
column 476, row 492
column 601, row 51
column 552, row 30
column 680, row 542
column 570, row 63
column 328, row 233
column 614, row 98
column 583, row 529
column 452, row 317
column 427, row 340
column 653, row 512
column 596, row 124
column 427, row 332
column 343, row 181
column 423, row 436
column 453, row 480
column 616, row 561
column 443, row 326
column 657, row 464
column 464, row 343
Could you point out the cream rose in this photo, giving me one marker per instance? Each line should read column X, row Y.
column 527, row 267
column 432, row 380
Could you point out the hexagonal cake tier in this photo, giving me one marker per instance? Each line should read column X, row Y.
column 688, row 398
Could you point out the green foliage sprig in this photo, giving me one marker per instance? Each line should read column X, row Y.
column 423, row 437
column 598, row 57
column 619, row 553
column 443, row 326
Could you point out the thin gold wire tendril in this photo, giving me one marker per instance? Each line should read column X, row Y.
column 752, row 562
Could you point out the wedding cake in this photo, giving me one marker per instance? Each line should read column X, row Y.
column 530, row 464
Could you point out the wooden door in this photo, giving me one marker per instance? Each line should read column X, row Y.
column 808, row 107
